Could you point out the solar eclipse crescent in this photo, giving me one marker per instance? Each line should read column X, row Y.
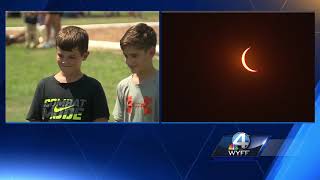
column 244, row 61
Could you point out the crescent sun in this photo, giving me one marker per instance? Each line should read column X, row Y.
column 244, row 61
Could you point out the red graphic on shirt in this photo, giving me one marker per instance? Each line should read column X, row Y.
column 145, row 105
column 129, row 104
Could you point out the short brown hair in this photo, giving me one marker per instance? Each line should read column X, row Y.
column 140, row 36
column 72, row 37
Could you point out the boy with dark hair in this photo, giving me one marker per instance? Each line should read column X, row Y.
column 138, row 95
column 70, row 95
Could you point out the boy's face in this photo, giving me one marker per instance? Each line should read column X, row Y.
column 138, row 60
column 70, row 61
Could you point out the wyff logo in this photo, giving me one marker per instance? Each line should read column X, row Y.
column 239, row 145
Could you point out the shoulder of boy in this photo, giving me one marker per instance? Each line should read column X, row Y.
column 43, row 81
column 92, row 82
column 124, row 83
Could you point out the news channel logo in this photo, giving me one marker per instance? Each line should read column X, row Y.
column 240, row 144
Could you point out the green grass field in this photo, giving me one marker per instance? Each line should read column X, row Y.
column 94, row 18
column 26, row 67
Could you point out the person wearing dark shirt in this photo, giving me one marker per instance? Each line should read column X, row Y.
column 69, row 95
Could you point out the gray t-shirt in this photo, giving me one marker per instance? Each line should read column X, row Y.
column 137, row 102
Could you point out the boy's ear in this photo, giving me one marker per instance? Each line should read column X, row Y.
column 152, row 51
column 85, row 55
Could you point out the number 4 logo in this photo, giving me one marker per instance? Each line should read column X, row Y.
column 241, row 139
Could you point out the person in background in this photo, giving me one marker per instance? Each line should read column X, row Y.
column 52, row 21
column 31, row 33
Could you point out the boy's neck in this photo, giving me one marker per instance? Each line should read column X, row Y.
column 63, row 77
column 138, row 78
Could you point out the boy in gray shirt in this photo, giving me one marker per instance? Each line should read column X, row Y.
column 138, row 95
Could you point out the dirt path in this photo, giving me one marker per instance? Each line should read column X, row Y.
column 110, row 34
